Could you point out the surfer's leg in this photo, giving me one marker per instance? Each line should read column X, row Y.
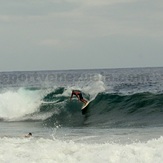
column 84, row 101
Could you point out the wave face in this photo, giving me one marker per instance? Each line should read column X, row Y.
column 122, row 102
column 107, row 110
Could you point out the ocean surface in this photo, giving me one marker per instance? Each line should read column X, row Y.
column 123, row 123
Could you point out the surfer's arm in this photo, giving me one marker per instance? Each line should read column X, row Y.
column 71, row 95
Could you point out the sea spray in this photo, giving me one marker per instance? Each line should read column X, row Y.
column 18, row 103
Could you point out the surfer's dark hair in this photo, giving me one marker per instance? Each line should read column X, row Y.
column 30, row 133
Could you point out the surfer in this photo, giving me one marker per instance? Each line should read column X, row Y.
column 78, row 94
column 29, row 135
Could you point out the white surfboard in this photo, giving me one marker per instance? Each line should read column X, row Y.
column 86, row 105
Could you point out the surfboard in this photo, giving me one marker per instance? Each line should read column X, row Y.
column 84, row 108
column 86, row 105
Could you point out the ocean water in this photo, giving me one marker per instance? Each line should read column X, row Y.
column 123, row 123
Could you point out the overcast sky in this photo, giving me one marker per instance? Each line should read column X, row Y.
column 80, row 34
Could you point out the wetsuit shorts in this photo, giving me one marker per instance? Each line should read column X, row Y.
column 80, row 96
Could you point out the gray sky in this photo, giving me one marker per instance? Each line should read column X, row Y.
column 80, row 34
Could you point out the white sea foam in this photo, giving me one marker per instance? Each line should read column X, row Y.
column 94, row 87
column 42, row 150
column 18, row 103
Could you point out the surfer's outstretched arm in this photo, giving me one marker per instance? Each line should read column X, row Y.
column 71, row 95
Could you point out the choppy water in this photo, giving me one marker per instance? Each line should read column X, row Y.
column 123, row 124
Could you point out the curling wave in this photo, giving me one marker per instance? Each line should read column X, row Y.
column 106, row 110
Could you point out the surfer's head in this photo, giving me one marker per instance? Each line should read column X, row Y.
column 30, row 134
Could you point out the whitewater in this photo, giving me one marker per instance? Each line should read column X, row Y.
column 123, row 123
